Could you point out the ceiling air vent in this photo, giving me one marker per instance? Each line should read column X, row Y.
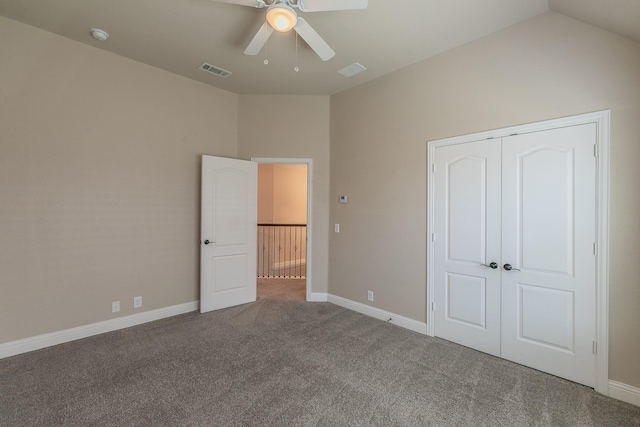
column 215, row 70
column 352, row 69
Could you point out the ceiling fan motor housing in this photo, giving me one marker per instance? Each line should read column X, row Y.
column 281, row 17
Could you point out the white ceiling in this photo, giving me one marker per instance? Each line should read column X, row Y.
column 179, row 35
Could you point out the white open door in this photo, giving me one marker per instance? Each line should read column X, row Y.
column 228, row 233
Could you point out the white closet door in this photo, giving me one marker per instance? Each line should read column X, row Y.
column 467, row 238
column 548, row 233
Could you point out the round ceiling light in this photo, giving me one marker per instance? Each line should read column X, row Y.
column 281, row 17
column 99, row 34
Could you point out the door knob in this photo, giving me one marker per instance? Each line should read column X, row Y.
column 509, row 268
column 493, row 265
column 206, row 242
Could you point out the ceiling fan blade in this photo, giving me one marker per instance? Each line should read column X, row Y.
column 324, row 5
column 313, row 39
column 252, row 3
column 259, row 39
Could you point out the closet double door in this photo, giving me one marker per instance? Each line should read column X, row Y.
column 514, row 248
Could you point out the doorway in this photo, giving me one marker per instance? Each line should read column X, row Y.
column 283, row 227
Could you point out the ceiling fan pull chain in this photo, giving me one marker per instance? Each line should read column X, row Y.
column 266, row 45
column 296, row 69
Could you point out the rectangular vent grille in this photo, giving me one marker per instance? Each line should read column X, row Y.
column 352, row 70
column 215, row 70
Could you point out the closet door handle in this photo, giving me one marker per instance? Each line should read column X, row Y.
column 206, row 242
column 493, row 265
column 509, row 268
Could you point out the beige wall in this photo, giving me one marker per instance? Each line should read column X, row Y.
column 261, row 134
column 282, row 194
column 265, row 194
column 290, row 194
column 99, row 181
column 548, row 67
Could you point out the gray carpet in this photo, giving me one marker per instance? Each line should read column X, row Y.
column 284, row 362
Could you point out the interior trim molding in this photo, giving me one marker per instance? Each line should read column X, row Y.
column 626, row 393
column 37, row 342
column 317, row 297
column 396, row 319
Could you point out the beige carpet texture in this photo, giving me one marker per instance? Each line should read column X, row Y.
column 284, row 362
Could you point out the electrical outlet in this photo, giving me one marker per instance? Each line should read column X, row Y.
column 137, row 302
column 115, row 306
column 370, row 295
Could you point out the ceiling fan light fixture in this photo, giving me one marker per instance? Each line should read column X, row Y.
column 281, row 17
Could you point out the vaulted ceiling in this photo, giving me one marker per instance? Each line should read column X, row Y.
column 179, row 35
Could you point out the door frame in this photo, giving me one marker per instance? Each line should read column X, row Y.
column 309, row 163
column 601, row 150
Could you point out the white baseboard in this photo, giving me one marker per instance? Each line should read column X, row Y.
column 396, row 319
column 13, row 348
column 317, row 297
column 624, row 392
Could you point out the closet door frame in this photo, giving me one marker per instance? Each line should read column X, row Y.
column 601, row 151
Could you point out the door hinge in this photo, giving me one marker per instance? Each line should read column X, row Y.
column 433, row 168
column 595, row 249
column 433, row 237
column 433, row 306
column 595, row 150
column 595, row 347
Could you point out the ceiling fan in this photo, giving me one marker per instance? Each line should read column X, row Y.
column 282, row 17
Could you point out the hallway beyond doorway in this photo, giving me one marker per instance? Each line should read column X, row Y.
column 282, row 289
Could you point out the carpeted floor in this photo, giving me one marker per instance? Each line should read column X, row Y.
column 282, row 289
column 284, row 362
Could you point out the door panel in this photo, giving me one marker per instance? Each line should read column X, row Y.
column 465, row 300
column 548, row 232
column 555, row 329
column 228, row 233
column 467, row 235
column 546, row 177
column 467, row 211
column 231, row 207
column 229, row 272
